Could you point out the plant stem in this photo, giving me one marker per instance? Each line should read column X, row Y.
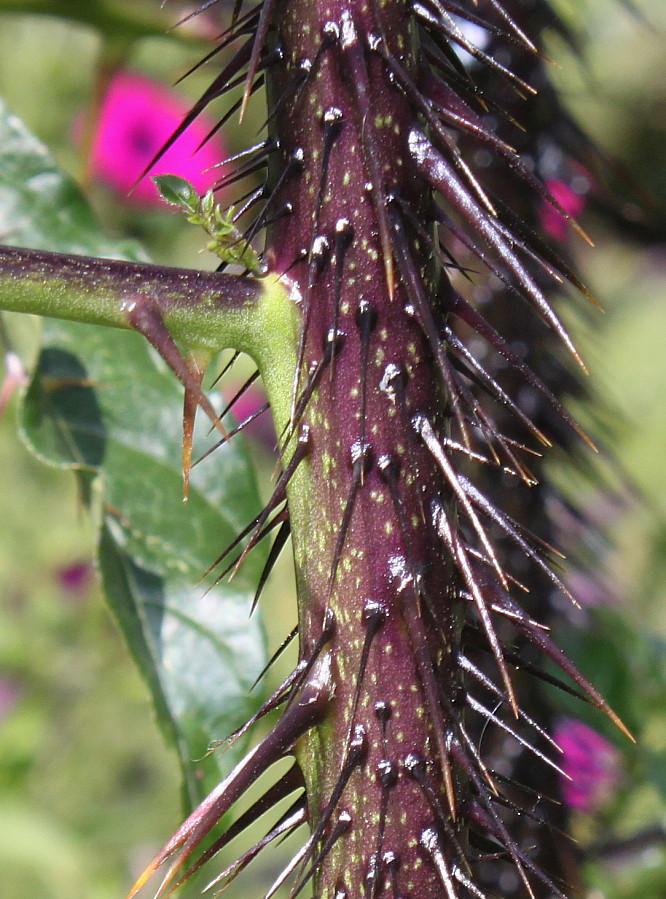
column 366, row 551
column 202, row 310
column 132, row 20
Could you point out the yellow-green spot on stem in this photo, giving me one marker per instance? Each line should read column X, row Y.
column 328, row 463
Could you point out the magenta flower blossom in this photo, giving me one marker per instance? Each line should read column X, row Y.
column 136, row 117
column 75, row 579
column 249, row 403
column 573, row 203
column 14, row 376
column 590, row 761
column 10, row 693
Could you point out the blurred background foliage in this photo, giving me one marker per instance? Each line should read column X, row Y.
column 87, row 789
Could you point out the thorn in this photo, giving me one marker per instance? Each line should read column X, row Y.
column 344, row 234
column 300, row 452
column 459, row 555
column 146, row 318
column 366, row 321
column 278, row 652
column 214, row 90
column 295, row 815
column 427, row 677
column 410, row 277
column 489, row 716
column 298, row 718
column 259, row 40
column 424, row 428
column 341, row 827
column 430, row 842
column 276, row 548
column 442, row 178
column 356, row 752
column 333, row 344
column 361, row 463
column 288, row 783
column 189, row 415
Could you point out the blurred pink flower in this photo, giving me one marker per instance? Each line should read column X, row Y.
column 10, row 693
column 14, row 376
column 136, row 117
column 592, row 763
column 247, row 404
column 573, row 203
column 75, row 579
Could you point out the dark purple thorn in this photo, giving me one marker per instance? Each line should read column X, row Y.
column 383, row 712
column 394, row 381
column 387, row 774
column 389, row 468
column 331, row 33
column 361, row 459
column 415, row 766
column 374, row 615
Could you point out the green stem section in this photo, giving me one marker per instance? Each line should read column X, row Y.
column 113, row 17
column 202, row 310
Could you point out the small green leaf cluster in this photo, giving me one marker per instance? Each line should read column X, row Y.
column 226, row 241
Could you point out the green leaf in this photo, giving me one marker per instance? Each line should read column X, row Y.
column 227, row 241
column 102, row 403
column 628, row 667
column 177, row 191
column 115, row 19
column 42, row 208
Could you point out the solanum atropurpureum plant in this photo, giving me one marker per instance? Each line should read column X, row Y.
column 389, row 163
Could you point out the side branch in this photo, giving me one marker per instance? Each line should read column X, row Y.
column 202, row 310
column 111, row 16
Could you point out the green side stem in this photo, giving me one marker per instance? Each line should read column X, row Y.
column 113, row 17
column 203, row 311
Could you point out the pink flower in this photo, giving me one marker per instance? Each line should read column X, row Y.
column 10, row 693
column 590, row 761
column 14, row 377
column 247, row 404
column 136, row 117
column 75, row 579
column 573, row 203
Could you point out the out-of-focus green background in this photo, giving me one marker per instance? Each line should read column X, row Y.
column 87, row 790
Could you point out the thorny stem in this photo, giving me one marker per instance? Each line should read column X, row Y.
column 400, row 585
